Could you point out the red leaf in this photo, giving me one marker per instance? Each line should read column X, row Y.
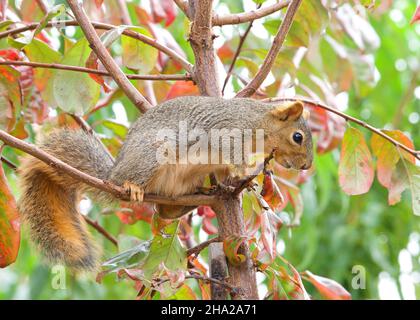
column 9, row 224
column 208, row 227
column 268, row 234
column 10, row 54
column 328, row 288
column 131, row 212
column 328, row 127
column 225, row 53
column 99, row 3
column 416, row 16
column 163, row 10
column 182, row 88
column 356, row 167
column 206, row 211
column 92, row 63
column 271, row 192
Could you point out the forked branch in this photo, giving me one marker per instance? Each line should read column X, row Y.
column 269, row 60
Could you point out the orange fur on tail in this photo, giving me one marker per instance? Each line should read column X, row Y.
column 50, row 198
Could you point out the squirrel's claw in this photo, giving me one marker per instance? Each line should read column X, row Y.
column 136, row 192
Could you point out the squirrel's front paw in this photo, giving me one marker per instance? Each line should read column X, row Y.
column 136, row 192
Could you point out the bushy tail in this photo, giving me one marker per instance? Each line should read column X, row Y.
column 49, row 200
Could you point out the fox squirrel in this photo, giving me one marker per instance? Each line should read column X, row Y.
column 49, row 201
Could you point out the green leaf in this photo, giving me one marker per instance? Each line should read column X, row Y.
column 38, row 51
column 117, row 128
column 356, row 167
column 27, row 37
column 406, row 175
column 231, row 247
column 54, row 12
column 75, row 92
column 166, row 248
column 388, row 155
column 138, row 55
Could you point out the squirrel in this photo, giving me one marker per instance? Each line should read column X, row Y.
column 49, row 199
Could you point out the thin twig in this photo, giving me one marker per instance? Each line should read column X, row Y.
column 9, row 163
column 350, row 118
column 155, row 77
column 202, row 278
column 238, row 51
column 200, row 247
column 269, row 60
column 125, row 16
column 117, row 191
column 406, row 98
column 183, row 6
column 244, row 183
column 237, row 18
column 88, row 129
column 101, row 230
column 105, row 26
column 149, row 92
column 105, row 57
column 42, row 6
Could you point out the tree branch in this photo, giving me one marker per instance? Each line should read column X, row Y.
column 415, row 153
column 154, row 77
column 183, row 6
column 235, row 57
column 105, row 26
column 117, row 191
column 237, row 18
column 125, row 16
column 265, row 68
column 200, row 247
column 203, row 278
column 105, row 57
column 42, row 6
column 101, row 230
column 201, row 40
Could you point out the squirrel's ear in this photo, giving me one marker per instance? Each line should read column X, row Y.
column 289, row 111
column 306, row 114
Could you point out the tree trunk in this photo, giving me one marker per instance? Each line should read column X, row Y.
column 231, row 222
column 229, row 211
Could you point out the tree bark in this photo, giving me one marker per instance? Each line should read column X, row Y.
column 231, row 222
column 218, row 269
column 201, row 40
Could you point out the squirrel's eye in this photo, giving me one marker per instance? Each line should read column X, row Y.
column 297, row 137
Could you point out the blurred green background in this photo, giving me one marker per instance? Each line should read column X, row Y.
column 338, row 234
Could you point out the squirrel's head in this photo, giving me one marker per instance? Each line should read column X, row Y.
column 289, row 135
